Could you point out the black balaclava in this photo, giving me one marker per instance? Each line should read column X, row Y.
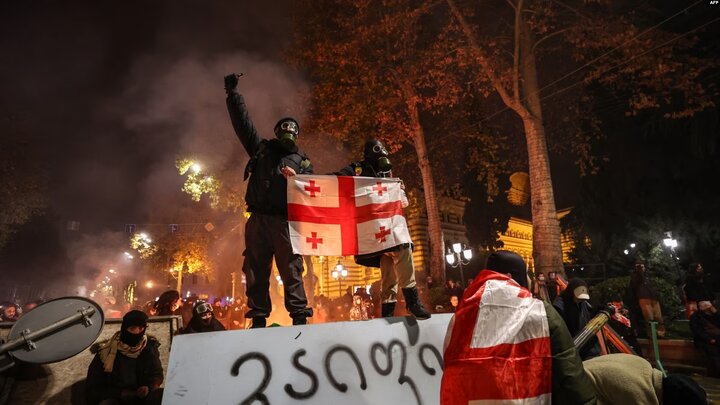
column 199, row 309
column 507, row 262
column 377, row 156
column 133, row 318
column 286, row 131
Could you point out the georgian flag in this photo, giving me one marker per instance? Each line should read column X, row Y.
column 497, row 349
column 343, row 215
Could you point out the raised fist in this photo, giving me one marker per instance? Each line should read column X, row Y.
column 231, row 82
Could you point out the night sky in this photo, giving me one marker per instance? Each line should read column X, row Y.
column 109, row 94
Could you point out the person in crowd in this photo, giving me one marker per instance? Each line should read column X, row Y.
column 454, row 288
column 126, row 368
column 218, row 309
column 9, row 312
column 203, row 319
column 454, row 301
column 358, row 312
column 695, row 288
column 646, row 299
column 573, row 305
column 540, row 288
column 168, row 303
column 553, row 287
column 396, row 263
column 622, row 378
column 266, row 232
column 705, row 327
column 487, row 358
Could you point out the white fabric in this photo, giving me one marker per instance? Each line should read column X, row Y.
column 509, row 318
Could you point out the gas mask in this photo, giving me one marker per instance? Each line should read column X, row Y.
column 376, row 154
column 287, row 131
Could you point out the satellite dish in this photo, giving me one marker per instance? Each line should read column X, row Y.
column 54, row 331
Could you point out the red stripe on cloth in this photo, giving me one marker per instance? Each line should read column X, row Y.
column 347, row 215
column 505, row 371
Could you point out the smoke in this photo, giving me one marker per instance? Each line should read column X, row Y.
column 112, row 105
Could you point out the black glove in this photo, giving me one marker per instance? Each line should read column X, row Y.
column 231, row 82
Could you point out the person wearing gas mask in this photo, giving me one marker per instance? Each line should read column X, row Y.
column 266, row 232
column 396, row 264
column 126, row 368
column 203, row 320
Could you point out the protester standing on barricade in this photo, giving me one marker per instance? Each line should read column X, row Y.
column 266, row 232
column 396, row 263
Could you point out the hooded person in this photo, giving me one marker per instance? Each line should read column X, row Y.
column 621, row 378
column 573, row 305
column 126, row 368
column 504, row 345
column 9, row 312
column 203, row 319
column 396, row 263
column 266, row 231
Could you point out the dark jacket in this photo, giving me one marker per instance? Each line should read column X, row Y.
column 695, row 289
column 641, row 287
column 364, row 169
column 705, row 326
column 196, row 326
column 146, row 370
column 576, row 315
column 267, row 189
column 570, row 384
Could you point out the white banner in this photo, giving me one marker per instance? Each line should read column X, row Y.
column 382, row 361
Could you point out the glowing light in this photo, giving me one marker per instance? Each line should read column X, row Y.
column 626, row 251
column 632, row 245
column 112, row 271
column 196, row 167
column 149, row 284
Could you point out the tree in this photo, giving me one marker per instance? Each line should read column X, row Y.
column 22, row 184
column 606, row 38
column 377, row 71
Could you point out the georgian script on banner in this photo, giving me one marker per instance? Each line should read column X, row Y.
column 341, row 215
column 382, row 361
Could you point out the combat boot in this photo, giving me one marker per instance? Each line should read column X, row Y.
column 258, row 322
column 413, row 303
column 388, row 309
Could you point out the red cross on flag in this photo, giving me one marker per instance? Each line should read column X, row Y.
column 498, row 346
column 342, row 215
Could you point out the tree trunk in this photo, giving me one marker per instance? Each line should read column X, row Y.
column 547, row 249
column 435, row 234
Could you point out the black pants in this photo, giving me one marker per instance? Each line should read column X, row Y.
column 265, row 236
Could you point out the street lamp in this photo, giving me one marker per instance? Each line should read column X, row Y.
column 455, row 258
column 339, row 273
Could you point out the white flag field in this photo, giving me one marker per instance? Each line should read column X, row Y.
column 343, row 215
